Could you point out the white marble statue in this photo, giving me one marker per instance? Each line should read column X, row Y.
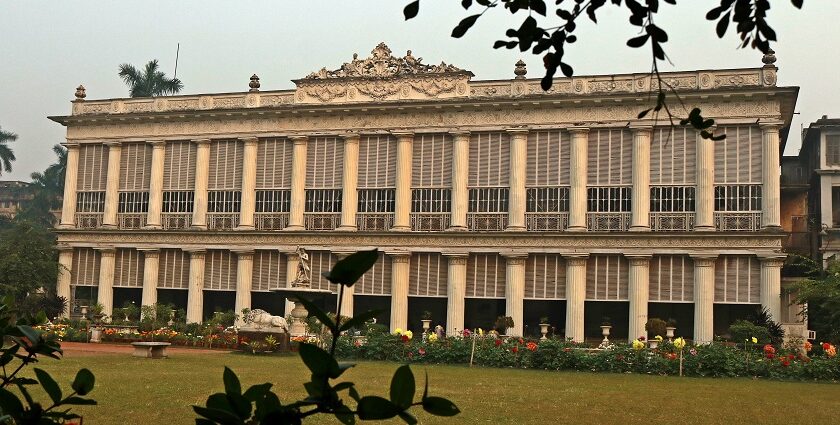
column 304, row 271
column 261, row 319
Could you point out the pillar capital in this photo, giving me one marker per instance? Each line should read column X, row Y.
column 71, row 144
column 150, row 252
column 641, row 128
column 517, row 131
column 201, row 142
column 460, row 134
column 704, row 260
column 195, row 253
column 106, row 251
column 243, row 254
column 399, row 257
column 639, row 259
column 249, row 140
column 299, row 139
column 351, row 137
column 65, row 248
column 770, row 125
column 459, row 258
column 113, row 144
column 157, row 144
column 772, row 260
column 515, row 258
column 403, row 136
column 578, row 130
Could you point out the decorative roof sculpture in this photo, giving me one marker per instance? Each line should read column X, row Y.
column 382, row 64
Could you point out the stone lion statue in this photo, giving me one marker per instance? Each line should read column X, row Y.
column 263, row 319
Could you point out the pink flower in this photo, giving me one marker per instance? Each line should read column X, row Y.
column 421, row 351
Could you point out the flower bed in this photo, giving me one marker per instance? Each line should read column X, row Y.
column 217, row 337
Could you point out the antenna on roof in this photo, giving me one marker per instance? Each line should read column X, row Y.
column 177, row 52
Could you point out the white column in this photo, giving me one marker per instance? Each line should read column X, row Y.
column 202, row 174
column 704, row 298
column 518, row 165
column 244, row 276
column 195, row 296
column 291, row 273
column 640, row 218
column 350, row 180
column 577, row 191
column 460, row 180
column 68, row 205
column 402, row 204
column 770, row 292
column 151, row 267
column 346, row 307
column 826, row 203
column 298, row 183
column 249, row 185
column 65, row 271
column 456, row 289
column 771, row 175
column 112, row 185
column 156, row 185
column 575, row 295
column 515, row 292
column 639, row 285
column 105, row 294
column 399, row 290
column 704, row 212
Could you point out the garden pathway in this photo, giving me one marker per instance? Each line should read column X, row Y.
column 81, row 349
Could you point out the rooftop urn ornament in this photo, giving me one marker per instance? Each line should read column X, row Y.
column 255, row 83
column 520, row 70
column 769, row 58
column 80, row 93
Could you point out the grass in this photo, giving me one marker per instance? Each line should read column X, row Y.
column 145, row 391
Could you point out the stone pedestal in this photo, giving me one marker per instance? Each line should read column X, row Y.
column 297, row 327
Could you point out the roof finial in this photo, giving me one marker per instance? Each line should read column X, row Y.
column 520, row 70
column 255, row 83
column 769, row 58
column 80, row 93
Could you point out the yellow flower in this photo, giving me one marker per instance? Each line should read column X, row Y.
column 398, row 331
column 409, row 334
column 754, row 340
column 658, row 338
column 480, row 332
column 433, row 337
column 638, row 345
column 679, row 343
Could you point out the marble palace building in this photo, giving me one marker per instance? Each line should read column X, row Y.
column 486, row 198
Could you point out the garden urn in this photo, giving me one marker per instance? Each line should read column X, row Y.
column 427, row 323
column 669, row 332
column 95, row 334
column 653, row 344
column 544, row 330
column 605, row 331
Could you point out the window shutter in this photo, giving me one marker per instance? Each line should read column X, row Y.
column 219, row 270
column 545, row 277
column 128, row 268
column 673, row 156
column 432, row 161
column 85, row 270
column 135, row 166
column 738, row 156
column 320, row 262
column 489, row 160
column 610, row 157
column 671, row 278
column 274, row 163
column 174, row 269
column 485, row 276
column 179, row 166
column 737, row 279
column 225, row 165
column 93, row 167
column 269, row 271
column 429, row 275
column 607, row 278
column 324, row 163
column 377, row 162
column 548, row 158
column 377, row 280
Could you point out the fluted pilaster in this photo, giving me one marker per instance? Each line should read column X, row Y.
column 575, row 296
column 639, row 287
column 298, row 192
column 515, row 292
column 399, row 289
column 347, row 300
column 350, row 179
column 244, row 276
column 291, row 272
column 71, row 176
column 518, row 165
column 770, row 293
column 456, row 291
column 577, row 175
column 105, row 293
column 640, row 200
column 202, row 176
column 156, row 184
column 704, row 219
column 249, row 186
column 151, row 267
column 704, row 299
column 402, row 208
column 460, row 180
column 65, row 272
column 112, row 185
column 195, row 294
column 770, row 176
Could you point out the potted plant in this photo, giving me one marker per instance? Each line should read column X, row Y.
column 426, row 320
column 544, row 324
column 654, row 327
column 503, row 323
column 605, row 329
column 98, row 315
column 670, row 327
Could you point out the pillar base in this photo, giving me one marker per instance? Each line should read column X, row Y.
column 704, row 228
column 67, row 226
column 346, row 228
column 245, row 227
column 198, row 227
column 515, row 229
column 108, row 226
column 401, row 228
column 640, row 228
column 294, row 227
column 456, row 229
column 772, row 229
column 152, row 227
column 576, row 229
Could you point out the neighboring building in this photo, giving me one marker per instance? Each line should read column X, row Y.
column 820, row 156
column 13, row 197
column 487, row 198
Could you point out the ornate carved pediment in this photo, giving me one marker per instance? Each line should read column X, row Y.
column 382, row 76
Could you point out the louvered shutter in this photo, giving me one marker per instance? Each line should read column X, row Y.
column 225, row 165
column 429, row 275
column 179, row 166
column 737, row 279
column 489, row 160
column 274, row 163
column 432, row 161
column 738, row 156
column 377, row 280
column 673, row 156
column 607, row 278
column 128, row 268
column 545, row 277
column 320, row 262
column 269, row 271
column 220, row 270
column 377, row 162
column 324, row 163
column 671, row 278
column 85, row 271
column 609, row 157
column 173, row 269
column 135, row 166
column 548, row 158
column 485, row 276
column 93, row 167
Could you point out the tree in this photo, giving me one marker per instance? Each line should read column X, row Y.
column 820, row 294
column 749, row 17
column 6, row 154
column 48, row 189
column 28, row 259
column 149, row 82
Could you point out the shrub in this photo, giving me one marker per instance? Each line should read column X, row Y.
column 655, row 327
column 742, row 330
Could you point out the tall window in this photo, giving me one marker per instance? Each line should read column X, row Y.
column 90, row 185
column 324, row 169
column 377, row 182
column 224, row 194
column 135, row 174
column 673, row 164
column 547, row 181
column 832, row 149
column 835, row 206
column 488, row 185
column 274, row 181
column 609, row 179
column 738, row 179
column 178, row 185
column 431, row 182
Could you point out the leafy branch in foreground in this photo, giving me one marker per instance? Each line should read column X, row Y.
column 749, row 17
column 26, row 345
column 259, row 405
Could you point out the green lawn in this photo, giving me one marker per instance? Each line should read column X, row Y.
column 145, row 391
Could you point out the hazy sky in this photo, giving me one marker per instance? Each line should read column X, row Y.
column 50, row 47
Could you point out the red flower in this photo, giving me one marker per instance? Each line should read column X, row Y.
column 642, row 338
column 521, row 341
column 770, row 355
column 826, row 345
column 672, row 356
column 769, row 349
column 404, row 338
column 786, row 363
column 567, row 349
column 498, row 342
column 515, row 349
column 791, row 357
column 532, row 346
column 421, row 351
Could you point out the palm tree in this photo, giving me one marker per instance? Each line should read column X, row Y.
column 6, row 154
column 149, row 82
column 49, row 189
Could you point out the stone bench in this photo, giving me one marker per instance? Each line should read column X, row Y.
column 150, row 350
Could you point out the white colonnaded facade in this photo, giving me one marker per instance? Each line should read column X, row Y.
column 486, row 198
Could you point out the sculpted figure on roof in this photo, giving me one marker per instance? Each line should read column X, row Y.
column 382, row 64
